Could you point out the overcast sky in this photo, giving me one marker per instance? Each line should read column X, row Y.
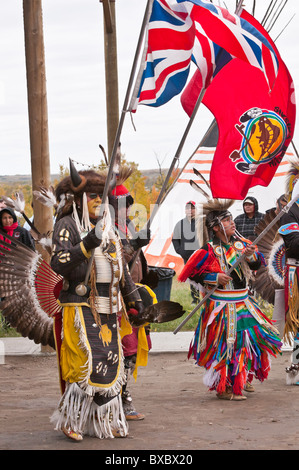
column 74, row 52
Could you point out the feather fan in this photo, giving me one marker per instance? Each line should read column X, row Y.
column 27, row 291
column 17, row 204
column 46, row 196
column 270, row 277
column 159, row 312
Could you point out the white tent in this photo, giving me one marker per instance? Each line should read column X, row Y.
column 160, row 251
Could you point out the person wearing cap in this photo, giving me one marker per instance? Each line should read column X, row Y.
column 246, row 222
column 137, row 344
column 184, row 233
column 184, row 239
column 88, row 341
column 234, row 340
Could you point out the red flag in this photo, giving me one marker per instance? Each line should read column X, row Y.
column 255, row 125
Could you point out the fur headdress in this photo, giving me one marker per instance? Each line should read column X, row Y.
column 81, row 181
column 77, row 183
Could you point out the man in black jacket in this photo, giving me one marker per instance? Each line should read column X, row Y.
column 184, row 239
column 184, row 236
column 246, row 222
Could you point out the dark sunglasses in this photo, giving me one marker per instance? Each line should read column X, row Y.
column 93, row 195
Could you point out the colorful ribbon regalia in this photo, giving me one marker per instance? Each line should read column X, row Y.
column 233, row 340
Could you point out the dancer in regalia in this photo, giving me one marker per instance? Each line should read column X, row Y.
column 277, row 282
column 91, row 359
column 234, row 340
column 137, row 344
column 94, row 306
column 289, row 231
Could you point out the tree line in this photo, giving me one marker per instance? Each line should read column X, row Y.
column 144, row 195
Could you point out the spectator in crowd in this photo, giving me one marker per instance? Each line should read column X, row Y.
column 184, row 239
column 246, row 222
column 184, row 235
column 10, row 225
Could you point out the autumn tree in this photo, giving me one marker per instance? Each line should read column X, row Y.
column 9, row 190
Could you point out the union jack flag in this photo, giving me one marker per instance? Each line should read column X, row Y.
column 167, row 55
column 233, row 34
column 185, row 31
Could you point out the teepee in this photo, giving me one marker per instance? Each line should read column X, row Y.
column 160, row 251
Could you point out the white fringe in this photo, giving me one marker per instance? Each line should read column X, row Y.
column 106, row 224
column 83, row 226
column 292, row 378
column 211, row 377
column 81, row 414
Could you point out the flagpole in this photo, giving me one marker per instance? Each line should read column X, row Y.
column 255, row 242
column 112, row 168
column 128, row 93
column 177, row 156
column 172, row 166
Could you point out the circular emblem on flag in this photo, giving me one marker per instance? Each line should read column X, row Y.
column 263, row 138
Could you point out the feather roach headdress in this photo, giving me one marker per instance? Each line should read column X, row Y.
column 209, row 212
column 79, row 182
column 292, row 176
column 270, row 276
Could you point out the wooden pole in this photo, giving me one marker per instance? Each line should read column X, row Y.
column 111, row 72
column 38, row 117
column 37, row 111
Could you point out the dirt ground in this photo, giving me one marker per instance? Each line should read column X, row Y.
column 180, row 413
